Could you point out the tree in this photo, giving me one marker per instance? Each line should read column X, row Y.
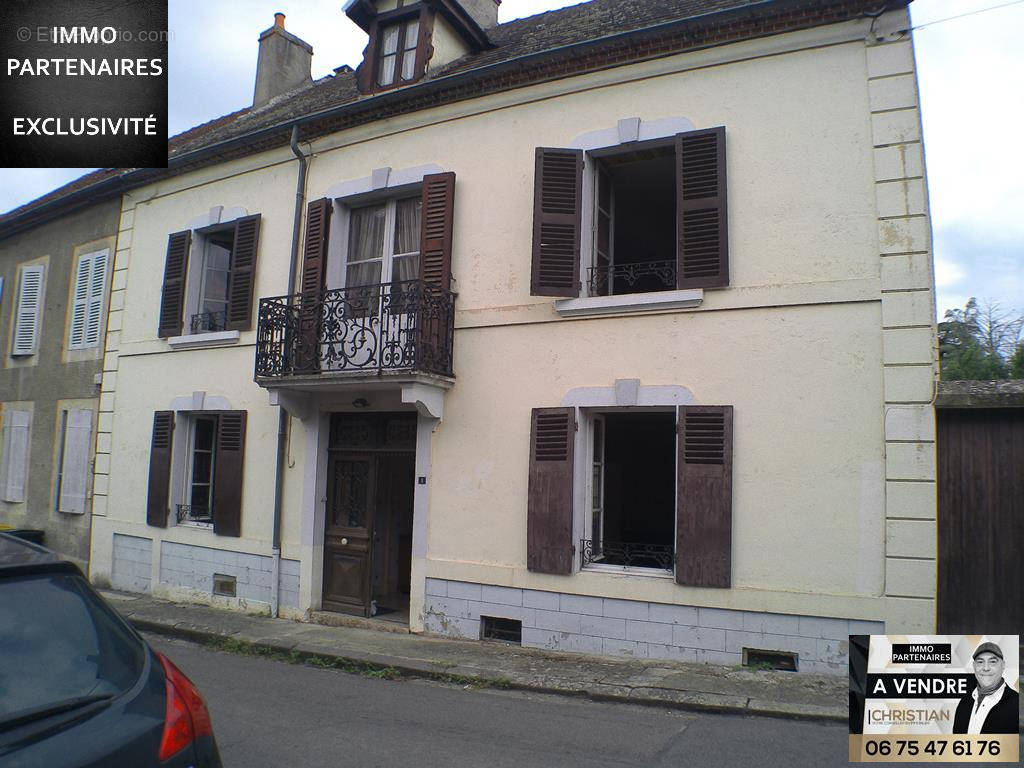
column 1017, row 362
column 980, row 343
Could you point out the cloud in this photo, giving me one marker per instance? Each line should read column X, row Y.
column 973, row 260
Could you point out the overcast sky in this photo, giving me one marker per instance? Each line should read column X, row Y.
column 970, row 71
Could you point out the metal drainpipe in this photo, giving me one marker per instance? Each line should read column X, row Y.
column 282, row 419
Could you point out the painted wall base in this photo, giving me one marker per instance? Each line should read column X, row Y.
column 639, row 629
column 186, row 575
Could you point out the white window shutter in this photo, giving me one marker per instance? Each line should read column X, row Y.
column 14, row 462
column 75, row 463
column 80, row 302
column 26, row 315
column 94, row 314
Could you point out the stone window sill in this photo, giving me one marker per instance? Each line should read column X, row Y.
column 199, row 340
column 654, row 573
column 632, row 302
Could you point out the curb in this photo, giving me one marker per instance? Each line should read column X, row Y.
column 410, row 668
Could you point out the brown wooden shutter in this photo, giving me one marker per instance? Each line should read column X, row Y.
column 366, row 72
column 172, row 300
column 243, row 273
column 227, row 476
column 160, row 468
column 702, row 257
column 306, row 355
column 436, row 230
column 549, row 542
column 557, row 198
column 314, row 252
column 704, row 500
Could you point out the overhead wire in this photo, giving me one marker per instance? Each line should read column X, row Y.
column 968, row 13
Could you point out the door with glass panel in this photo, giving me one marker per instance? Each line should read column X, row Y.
column 381, row 287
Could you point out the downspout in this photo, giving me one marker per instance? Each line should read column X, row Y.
column 282, row 419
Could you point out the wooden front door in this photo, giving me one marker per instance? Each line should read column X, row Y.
column 348, row 533
column 370, row 467
column 981, row 521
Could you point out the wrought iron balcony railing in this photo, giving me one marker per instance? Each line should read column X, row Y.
column 632, row 278
column 405, row 326
column 627, row 554
column 203, row 322
column 188, row 513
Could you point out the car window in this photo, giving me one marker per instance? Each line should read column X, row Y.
column 59, row 641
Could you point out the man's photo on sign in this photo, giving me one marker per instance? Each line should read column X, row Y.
column 992, row 706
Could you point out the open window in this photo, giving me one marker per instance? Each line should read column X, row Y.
column 197, row 508
column 634, row 244
column 209, row 276
column 195, row 469
column 656, row 486
column 632, row 491
column 656, row 213
column 213, row 274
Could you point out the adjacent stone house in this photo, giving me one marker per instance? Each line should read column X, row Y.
column 609, row 330
column 55, row 266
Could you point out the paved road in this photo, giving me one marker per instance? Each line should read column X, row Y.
column 269, row 714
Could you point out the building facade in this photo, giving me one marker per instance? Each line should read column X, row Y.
column 55, row 279
column 610, row 332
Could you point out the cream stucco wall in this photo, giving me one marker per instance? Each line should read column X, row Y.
column 823, row 342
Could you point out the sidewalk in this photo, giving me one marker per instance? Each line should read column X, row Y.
column 641, row 681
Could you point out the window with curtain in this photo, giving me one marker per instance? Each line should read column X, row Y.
column 383, row 248
column 397, row 58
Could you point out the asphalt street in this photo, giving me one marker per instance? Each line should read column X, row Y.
column 271, row 714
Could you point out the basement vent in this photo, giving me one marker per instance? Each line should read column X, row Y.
column 224, row 585
column 506, row 630
column 758, row 659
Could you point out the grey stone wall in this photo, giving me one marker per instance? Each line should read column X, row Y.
column 133, row 563
column 614, row 627
column 183, row 565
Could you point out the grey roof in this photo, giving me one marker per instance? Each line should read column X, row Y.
column 547, row 38
column 547, row 31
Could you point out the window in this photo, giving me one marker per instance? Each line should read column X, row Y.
column 202, row 480
column 631, row 217
column 632, row 490
column 396, row 59
column 29, row 309
column 88, row 300
column 208, row 278
column 634, row 244
column 657, row 486
column 199, row 483
column 384, row 243
column 214, row 278
column 383, row 250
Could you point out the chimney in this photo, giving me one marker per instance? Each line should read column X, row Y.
column 284, row 63
column 483, row 12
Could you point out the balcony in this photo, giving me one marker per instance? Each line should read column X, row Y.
column 398, row 328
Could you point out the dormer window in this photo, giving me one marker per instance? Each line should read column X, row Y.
column 397, row 60
column 410, row 38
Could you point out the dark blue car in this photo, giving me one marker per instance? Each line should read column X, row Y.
column 79, row 688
